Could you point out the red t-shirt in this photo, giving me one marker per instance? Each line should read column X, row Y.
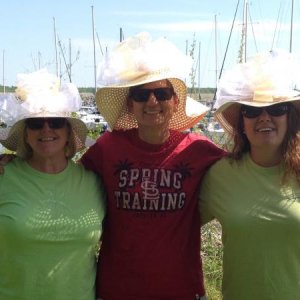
column 151, row 240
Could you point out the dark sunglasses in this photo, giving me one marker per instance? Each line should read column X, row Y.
column 276, row 110
column 38, row 123
column 142, row 95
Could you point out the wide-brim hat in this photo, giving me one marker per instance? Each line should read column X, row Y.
column 112, row 104
column 266, row 79
column 41, row 95
column 137, row 61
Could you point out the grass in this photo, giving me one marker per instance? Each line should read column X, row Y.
column 212, row 259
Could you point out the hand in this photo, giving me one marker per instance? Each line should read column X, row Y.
column 5, row 159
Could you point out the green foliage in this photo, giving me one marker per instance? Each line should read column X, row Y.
column 96, row 132
column 8, row 89
column 218, row 137
column 86, row 90
column 212, row 251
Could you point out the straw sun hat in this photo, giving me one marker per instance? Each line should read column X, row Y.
column 140, row 60
column 264, row 80
column 40, row 95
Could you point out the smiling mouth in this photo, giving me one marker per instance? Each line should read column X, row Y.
column 267, row 129
column 48, row 139
column 153, row 112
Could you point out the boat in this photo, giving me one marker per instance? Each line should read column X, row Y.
column 92, row 119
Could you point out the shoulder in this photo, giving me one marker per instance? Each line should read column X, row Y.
column 200, row 139
column 88, row 181
column 111, row 137
column 204, row 145
column 81, row 172
column 216, row 174
column 15, row 164
column 13, row 171
column 78, row 168
column 115, row 134
column 223, row 167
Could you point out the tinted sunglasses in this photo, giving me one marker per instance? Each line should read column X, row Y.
column 276, row 110
column 38, row 123
column 142, row 95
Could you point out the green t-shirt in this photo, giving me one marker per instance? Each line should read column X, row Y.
column 50, row 226
column 260, row 221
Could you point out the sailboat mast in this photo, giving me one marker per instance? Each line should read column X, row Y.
column 3, row 72
column 55, row 47
column 186, row 51
column 95, row 68
column 70, row 60
column 245, row 30
column 121, row 34
column 227, row 46
column 216, row 50
column 199, row 65
column 291, row 31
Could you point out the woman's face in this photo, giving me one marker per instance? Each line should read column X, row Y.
column 266, row 131
column 47, row 136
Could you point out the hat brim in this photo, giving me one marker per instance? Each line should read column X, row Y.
column 15, row 133
column 228, row 114
column 112, row 104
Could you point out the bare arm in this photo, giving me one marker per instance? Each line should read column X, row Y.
column 4, row 160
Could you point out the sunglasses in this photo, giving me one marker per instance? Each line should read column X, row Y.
column 38, row 123
column 142, row 95
column 276, row 110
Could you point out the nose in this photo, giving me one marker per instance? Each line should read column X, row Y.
column 46, row 126
column 152, row 99
column 264, row 115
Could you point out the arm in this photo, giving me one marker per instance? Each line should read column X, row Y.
column 5, row 159
column 205, row 214
column 206, row 193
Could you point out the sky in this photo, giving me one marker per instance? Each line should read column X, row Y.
column 27, row 39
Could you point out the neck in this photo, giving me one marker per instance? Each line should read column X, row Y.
column 266, row 158
column 48, row 165
column 154, row 135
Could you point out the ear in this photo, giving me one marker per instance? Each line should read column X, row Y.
column 176, row 103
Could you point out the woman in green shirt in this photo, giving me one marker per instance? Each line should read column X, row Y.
column 51, row 209
column 255, row 192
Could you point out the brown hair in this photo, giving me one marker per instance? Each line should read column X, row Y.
column 290, row 148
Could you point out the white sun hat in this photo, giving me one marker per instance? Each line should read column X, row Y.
column 265, row 79
column 41, row 95
column 139, row 60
